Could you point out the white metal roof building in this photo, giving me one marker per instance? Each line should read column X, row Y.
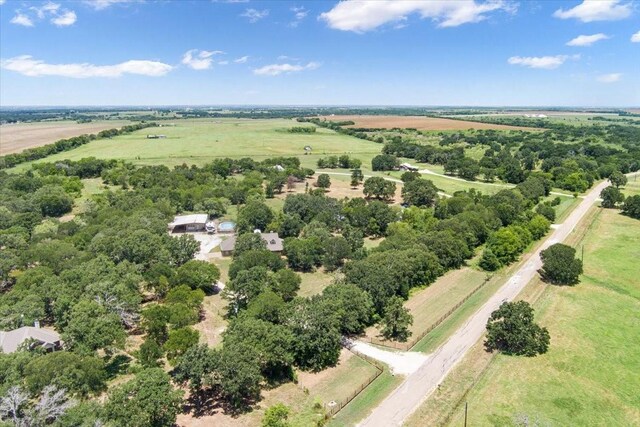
column 194, row 222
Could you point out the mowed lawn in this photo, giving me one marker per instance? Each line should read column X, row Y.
column 199, row 141
column 590, row 376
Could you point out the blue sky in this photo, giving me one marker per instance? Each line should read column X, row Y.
column 383, row 52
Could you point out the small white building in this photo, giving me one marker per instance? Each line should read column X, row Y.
column 194, row 222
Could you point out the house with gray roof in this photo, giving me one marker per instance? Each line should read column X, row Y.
column 45, row 338
column 274, row 243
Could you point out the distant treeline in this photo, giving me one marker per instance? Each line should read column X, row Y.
column 11, row 160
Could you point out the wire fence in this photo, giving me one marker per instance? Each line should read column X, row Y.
column 334, row 407
column 406, row 346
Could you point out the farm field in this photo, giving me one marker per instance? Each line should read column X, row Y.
column 588, row 375
column 417, row 122
column 199, row 141
column 17, row 137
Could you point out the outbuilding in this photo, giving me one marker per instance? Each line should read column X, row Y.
column 407, row 167
column 182, row 223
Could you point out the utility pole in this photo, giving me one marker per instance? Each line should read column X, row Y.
column 465, row 414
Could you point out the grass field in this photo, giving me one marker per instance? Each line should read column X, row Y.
column 313, row 283
column 360, row 407
column 633, row 187
column 17, row 137
column 429, row 304
column 416, row 122
column 589, row 376
column 199, row 141
column 567, row 203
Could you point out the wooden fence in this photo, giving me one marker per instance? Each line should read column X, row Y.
column 406, row 346
column 331, row 411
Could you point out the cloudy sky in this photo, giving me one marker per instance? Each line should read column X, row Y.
column 383, row 52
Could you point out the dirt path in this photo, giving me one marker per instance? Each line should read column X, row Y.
column 400, row 362
column 403, row 401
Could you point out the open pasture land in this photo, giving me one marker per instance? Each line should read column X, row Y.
column 199, row 141
column 589, row 376
column 16, row 137
column 417, row 122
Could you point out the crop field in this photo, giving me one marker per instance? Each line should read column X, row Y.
column 589, row 376
column 17, row 137
column 199, row 141
column 417, row 122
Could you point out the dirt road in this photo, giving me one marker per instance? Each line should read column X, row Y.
column 403, row 401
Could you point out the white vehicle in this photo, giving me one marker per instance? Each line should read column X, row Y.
column 210, row 227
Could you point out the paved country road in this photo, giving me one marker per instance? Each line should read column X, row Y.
column 414, row 390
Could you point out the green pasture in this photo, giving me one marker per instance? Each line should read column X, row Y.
column 199, row 141
column 590, row 374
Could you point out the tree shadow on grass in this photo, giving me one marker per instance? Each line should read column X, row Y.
column 117, row 365
column 208, row 402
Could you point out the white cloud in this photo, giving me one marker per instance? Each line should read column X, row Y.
column 103, row 4
column 299, row 13
column 48, row 7
column 362, row 15
column 636, row 37
column 22, row 19
column 610, row 78
column 2, row 2
column 65, row 19
column 277, row 69
column 587, row 40
column 199, row 60
column 596, row 10
column 254, row 15
column 31, row 67
column 241, row 60
column 544, row 62
column 223, row 62
column 58, row 16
